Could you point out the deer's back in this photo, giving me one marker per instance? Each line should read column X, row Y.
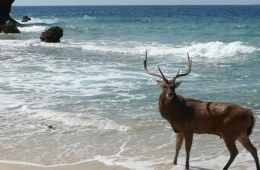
column 217, row 117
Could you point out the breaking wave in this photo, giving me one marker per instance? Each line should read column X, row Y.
column 68, row 119
column 211, row 50
column 208, row 50
column 33, row 28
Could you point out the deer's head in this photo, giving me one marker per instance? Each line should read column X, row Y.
column 168, row 85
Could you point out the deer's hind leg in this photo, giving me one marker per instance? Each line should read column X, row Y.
column 232, row 150
column 179, row 141
column 245, row 141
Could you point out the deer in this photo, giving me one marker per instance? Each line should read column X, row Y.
column 191, row 116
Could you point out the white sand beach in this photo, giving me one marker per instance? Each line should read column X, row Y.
column 94, row 165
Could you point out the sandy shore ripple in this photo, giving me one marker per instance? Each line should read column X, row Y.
column 94, row 165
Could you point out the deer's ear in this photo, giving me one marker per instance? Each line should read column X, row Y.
column 177, row 84
column 160, row 83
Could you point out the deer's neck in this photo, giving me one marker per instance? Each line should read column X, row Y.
column 171, row 109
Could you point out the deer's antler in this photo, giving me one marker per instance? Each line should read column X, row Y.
column 184, row 74
column 153, row 74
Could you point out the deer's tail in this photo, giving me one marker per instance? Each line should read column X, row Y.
column 251, row 126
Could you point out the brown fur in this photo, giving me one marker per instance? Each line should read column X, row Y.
column 188, row 116
column 206, row 117
column 227, row 120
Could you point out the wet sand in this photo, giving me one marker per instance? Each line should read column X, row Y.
column 93, row 165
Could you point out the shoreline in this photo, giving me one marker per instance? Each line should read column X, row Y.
column 91, row 165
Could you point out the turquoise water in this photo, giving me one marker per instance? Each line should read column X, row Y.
column 91, row 87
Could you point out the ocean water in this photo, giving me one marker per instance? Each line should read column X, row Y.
column 92, row 89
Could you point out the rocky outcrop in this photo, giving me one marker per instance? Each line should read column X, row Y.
column 5, row 18
column 10, row 27
column 5, row 9
column 26, row 19
column 52, row 35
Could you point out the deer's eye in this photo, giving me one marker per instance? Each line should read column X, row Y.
column 165, row 86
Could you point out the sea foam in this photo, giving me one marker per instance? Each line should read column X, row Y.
column 37, row 25
column 42, row 21
column 211, row 50
column 33, row 28
column 69, row 119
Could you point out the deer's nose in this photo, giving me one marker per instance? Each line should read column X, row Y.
column 169, row 95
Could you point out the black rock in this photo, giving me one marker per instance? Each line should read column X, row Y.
column 1, row 28
column 53, row 35
column 26, row 19
column 5, row 9
column 10, row 27
column 51, row 127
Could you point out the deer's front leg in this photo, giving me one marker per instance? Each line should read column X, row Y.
column 179, row 140
column 188, row 143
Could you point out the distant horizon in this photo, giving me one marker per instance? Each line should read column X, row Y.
column 130, row 2
column 147, row 5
